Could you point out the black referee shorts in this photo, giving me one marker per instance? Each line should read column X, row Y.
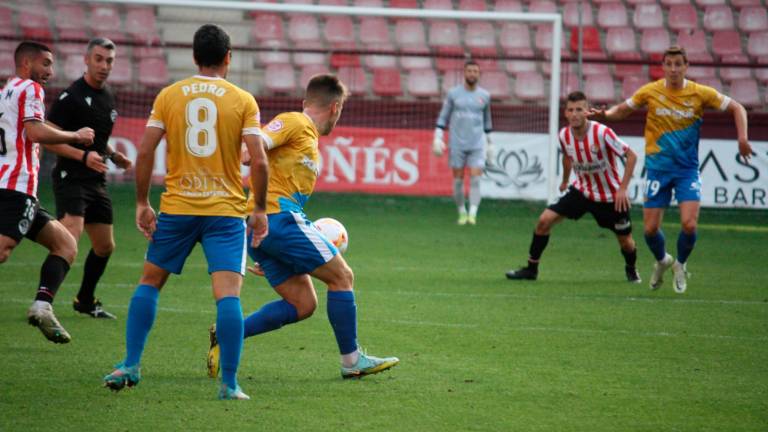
column 86, row 198
column 574, row 204
column 21, row 215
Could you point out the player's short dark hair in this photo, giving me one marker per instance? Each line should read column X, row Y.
column 675, row 50
column 100, row 42
column 470, row 62
column 576, row 96
column 210, row 45
column 28, row 48
column 324, row 89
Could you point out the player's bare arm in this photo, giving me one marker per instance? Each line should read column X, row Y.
column 258, row 179
column 146, row 220
column 567, row 166
column 614, row 113
column 43, row 133
column 740, row 119
column 622, row 203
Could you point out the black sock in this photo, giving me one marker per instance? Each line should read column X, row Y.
column 630, row 258
column 52, row 274
column 94, row 268
column 538, row 243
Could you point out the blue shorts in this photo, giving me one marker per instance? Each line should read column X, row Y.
column 222, row 237
column 293, row 247
column 659, row 186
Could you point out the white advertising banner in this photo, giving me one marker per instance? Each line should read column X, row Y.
column 519, row 171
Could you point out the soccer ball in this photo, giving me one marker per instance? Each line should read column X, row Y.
column 334, row 231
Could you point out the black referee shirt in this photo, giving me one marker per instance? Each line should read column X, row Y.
column 81, row 106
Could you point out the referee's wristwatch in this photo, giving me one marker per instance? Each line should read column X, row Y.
column 110, row 157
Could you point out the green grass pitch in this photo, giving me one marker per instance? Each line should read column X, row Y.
column 577, row 350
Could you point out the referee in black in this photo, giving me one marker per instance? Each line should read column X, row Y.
column 79, row 181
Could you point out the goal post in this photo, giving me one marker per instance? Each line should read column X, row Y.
column 549, row 106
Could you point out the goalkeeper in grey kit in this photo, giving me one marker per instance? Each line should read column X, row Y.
column 467, row 110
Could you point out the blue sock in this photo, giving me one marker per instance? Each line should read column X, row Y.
column 141, row 316
column 685, row 244
column 270, row 317
column 229, row 332
column 342, row 313
column 656, row 243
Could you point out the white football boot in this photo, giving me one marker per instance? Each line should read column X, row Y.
column 680, row 275
column 659, row 267
column 40, row 315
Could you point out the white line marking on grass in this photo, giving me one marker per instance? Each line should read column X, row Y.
column 580, row 298
column 426, row 323
column 741, row 228
column 632, row 333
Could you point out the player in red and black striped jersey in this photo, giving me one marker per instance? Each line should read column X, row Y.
column 22, row 129
column 590, row 150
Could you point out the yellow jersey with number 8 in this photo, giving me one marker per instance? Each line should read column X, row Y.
column 204, row 119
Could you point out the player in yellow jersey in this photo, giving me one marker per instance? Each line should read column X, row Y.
column 675, row 114
column 204, row 119
column 294, row 250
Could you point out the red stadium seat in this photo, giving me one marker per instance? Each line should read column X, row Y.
column 6, row 65
column 529, row 86
column 105, row 17
column 69, row 16
column 515, row 37
column 497, row 84
column 74, row 67
column 543, row 40
column 648, row 16
column 355, row 79
column 338, row 60
column 757, row 44
column 726, row 43
column 683, row 17
column 590, row 40
column 419, row 59
column 620, row 40
column 599, row 88
column 637, row 2
column 77, row 37
column 381, row 61
column 696, row 72
column 409, row 32
column 140, row 20
column 153, row 72
column 761, row 73
column 517, row 66
column 279, row 78
column 627, row 69
column 146, row 52
column 307, row 72
column 374, row 31
column 303, row 28
column 268, row 27
column 62, row 50
column 438, row 5
column 386, row 82
column 569, row 83
column 612, row 15
column 422, row 83
column 33, row 19
column 590, row 68
column 369, row 3
column 571, row 14
column 472, row 5
column 339, row 31
column 753, row 19
column 654, row 41
column 508, row 6
column 480, row 38
column 743, row 3
column 444, row 34
column 735, row 73
column 404, row 4
column 630, row 85
column 122, row 72
column 7, row 27
column 451, row 79
column 312, row 55
column 713, row 82
column 542, row 6
column 746, row 92
column 299, row 2
column 694, row 41
column 333, row 3
column 718, row 18
column 454, row 59
column 671, row 3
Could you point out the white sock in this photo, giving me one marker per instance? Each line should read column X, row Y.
column 473, row 210
column 349, row 360
column 462, row 210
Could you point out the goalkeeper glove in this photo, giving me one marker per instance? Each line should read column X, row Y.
column 438, row 145
column 490, row 151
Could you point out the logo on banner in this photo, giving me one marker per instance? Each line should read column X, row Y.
column 515, row 168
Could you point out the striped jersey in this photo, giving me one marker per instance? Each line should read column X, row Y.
column 21, row 100
column 594, row 160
